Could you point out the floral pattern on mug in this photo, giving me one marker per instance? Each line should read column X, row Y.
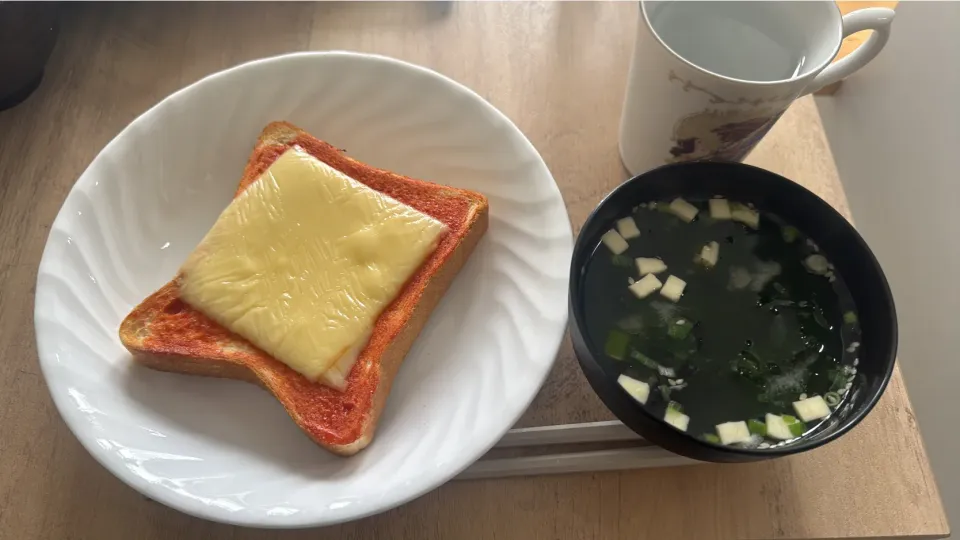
column 722, row 135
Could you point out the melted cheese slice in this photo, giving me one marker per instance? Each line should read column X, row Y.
column 303, row 262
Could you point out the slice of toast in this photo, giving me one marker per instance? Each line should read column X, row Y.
column 165, row 333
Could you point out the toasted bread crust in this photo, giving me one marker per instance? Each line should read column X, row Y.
column 165, row 333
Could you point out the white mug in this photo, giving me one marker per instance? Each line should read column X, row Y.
column 709, row 79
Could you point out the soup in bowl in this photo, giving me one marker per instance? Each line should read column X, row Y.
column 728, row 314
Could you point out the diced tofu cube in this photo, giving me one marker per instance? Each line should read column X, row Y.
column 817, row 264
column 777, row 428
column 639, row 390
column 627, row 228
column 683, row 210
column 648, row 285
column 709, row 254
column 614, row 241
column 746, row 215
column 812, row 408
column 676, row 419
column 648, row 265
column 720, row 209
column 733, row 432
column 672, row 288
column 739, row 278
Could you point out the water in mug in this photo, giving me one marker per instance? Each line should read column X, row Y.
column 743, row 40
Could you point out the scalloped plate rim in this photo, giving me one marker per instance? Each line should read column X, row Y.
column 167, row 497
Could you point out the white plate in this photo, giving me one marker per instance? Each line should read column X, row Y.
column 225, row 450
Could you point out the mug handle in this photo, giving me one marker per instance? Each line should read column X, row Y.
column 876, row 19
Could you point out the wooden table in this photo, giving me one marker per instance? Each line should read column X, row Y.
column 558, row 70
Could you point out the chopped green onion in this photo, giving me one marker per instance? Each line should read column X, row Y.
column 674, row 406
column 838, row 378
column 850, row 317
column 832, row 398
column 622, row 261
column 665, row 392
column 644, row 360
column 794, row 424
column 616, row 346
column 757, row 427
column 680, row 329
column 710, row 437
column 790, row 234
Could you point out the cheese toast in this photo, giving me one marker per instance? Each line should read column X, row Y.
column 167, row 334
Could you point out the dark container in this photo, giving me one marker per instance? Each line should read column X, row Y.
column 838, row 241
column 28, row 32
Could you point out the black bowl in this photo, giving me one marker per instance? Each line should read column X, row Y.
column 837, row 239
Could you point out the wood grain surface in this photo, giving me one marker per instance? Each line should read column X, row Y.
column 558, row 70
